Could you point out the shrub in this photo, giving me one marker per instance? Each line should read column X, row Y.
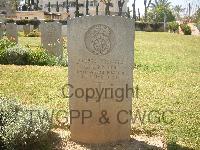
column 18, row 55
column 41, row 58
column 49, row 20
column 5, row 43
column 34, row 33
column 173, row 26
column 15, row 55
column 10, row 21
column 140, row 26
column 22, row 130
column 157, row 27
column 22, row 22
column 186, row 29
column 149, row 27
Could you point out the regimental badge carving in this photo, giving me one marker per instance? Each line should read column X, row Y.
column 100, row 39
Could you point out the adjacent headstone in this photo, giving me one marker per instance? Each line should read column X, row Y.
column 27, row 29
column 100, row 53
column 51, row 38
column 11, row 32
column 64, row 30
column 1, row 30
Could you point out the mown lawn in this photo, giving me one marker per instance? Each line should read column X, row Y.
column 167, row 73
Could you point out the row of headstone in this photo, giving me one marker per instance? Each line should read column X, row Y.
column 51, row 36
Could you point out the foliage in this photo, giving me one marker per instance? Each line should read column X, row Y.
column 159, row 13
column 22, row 22
column 34, row 22
column 34, row 33
column 149, row 27
column 14, row 55
column 5, row 43
column 10, row 21
column 198, row 25
column 177, row 11
column 146, row 7
column 159, row 10
column 19, row 55
column 22, row 130
column 173, row 26
column 196, row 16
column 186, row 29
column 161, row 3
column 41, row 58
column 49, row 20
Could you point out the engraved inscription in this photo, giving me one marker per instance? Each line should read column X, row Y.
column 99, row 39
column 90, row 68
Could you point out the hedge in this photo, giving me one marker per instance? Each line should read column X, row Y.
column 149, row 27
column 33, row 22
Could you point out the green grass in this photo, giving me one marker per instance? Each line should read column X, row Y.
column 168, row 76
column 167, row 73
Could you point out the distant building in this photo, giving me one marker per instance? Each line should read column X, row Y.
column 43, row 4
column 29, row 11
column 40, row 15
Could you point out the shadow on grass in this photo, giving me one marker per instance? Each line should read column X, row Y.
column 174, row 146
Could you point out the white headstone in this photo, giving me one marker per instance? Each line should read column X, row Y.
column 100, row 77
column 51, row 38
column 27, row 29
column 11, row 32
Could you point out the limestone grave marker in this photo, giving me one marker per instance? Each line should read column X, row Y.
column 1, row 30
column 27, row 29
column 51, row 38
column 11, row 32
column 100, row 78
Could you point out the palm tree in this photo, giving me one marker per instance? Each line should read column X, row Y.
column 177, row 11
column 161, row 3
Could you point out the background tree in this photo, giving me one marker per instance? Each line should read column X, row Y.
column 57, row 7
column 138, row 14
column 146, row 6
column 49, row 7
column 134, row 12
column 196, row 16
column 177, row 11
column 161, row 10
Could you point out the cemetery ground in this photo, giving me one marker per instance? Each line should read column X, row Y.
column 167, row 72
